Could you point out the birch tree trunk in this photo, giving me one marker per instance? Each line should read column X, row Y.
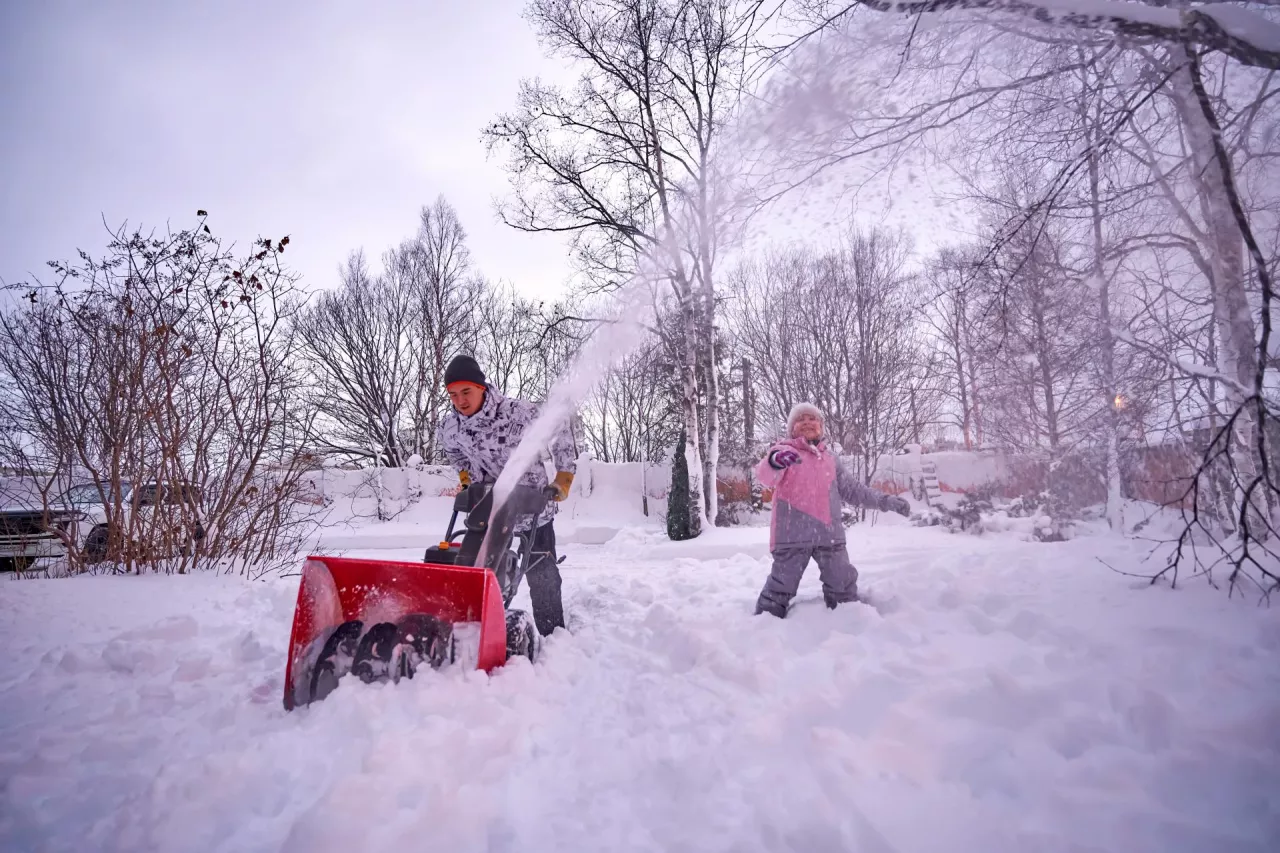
column 1224, row 250
column 711, row 459
column 689, row 407
column 692, row 349
column 1110, row 395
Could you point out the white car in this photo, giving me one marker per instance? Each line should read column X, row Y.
column 78, row 518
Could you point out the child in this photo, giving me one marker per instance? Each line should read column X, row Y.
column 808, row 483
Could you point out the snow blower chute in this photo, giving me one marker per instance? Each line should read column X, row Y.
column 381, row 620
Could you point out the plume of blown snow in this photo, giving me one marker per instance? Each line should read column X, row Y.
column 615, row 337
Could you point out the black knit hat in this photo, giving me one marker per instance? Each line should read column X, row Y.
column 463, row 368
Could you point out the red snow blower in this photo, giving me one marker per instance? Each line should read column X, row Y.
column 381, row 620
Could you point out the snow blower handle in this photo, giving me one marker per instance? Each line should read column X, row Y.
column 522, row 502
column 508, row 566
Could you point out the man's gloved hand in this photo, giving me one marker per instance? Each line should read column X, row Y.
column 893, row 503
column 465, row 478
column 783, row 458
column 562, row 482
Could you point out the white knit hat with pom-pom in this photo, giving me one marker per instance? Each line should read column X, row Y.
column 802, row 409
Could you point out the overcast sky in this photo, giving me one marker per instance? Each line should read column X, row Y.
column 331, row 121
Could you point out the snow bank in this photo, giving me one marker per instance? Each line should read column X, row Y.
column 997, row 695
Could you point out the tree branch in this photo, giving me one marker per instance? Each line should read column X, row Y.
column 1239, row 33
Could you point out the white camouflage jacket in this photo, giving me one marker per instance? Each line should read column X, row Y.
column 482, row 443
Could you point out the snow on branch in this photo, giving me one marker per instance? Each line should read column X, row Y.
column 1242, row 34
column 1188, row 368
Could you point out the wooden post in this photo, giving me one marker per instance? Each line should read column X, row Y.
column 644, row 478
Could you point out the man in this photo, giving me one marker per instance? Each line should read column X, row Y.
column 809, row 484
column 479, row 436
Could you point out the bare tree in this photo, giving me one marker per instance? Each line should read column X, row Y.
column 524, row 344
column 839, row 330
column 379, row 344
column 632, row 414
column 626, row 162
column 161, row 379
column 359, row 346
column 1190, row 75
column 507, row 339
column 1235, row 31
column 434, row 270
column 951, row 313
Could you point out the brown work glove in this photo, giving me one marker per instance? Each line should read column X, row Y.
column 562, row 482
column 464, row 477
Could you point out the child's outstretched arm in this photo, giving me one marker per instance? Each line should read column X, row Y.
column 860, row 494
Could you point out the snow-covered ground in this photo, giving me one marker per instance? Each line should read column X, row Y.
column 999, row 695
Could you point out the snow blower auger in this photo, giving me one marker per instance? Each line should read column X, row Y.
column 382, row 620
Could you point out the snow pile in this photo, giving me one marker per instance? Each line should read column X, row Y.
column 466, row 645
column 997, row 695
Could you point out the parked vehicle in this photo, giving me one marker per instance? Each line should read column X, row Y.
column 79, row 519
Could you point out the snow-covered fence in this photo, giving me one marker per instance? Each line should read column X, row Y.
column 380, row 493
column 623, row 483
column 957, row 471
column 385, row 492
column 1155, row 474
column 1159, row 474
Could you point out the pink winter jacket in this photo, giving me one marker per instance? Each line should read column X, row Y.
column 807, row 496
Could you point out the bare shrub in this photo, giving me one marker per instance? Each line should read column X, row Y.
column 161, row 379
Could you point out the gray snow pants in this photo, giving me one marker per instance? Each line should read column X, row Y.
column 839, row 577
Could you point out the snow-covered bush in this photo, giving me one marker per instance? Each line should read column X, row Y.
column 980, row 511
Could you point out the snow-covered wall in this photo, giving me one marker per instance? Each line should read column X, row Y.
column 621, row 480
column 395, row 483
column 604, row 490
column 957, row 470
column 599, row 488
column 1157, row 474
